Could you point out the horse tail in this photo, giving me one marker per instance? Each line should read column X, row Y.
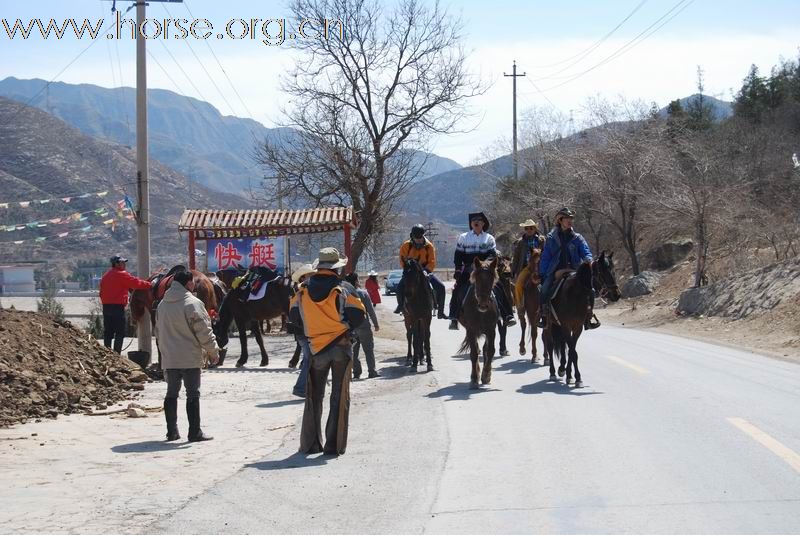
column 464, row 345
column 137, row 304
column 559, row 340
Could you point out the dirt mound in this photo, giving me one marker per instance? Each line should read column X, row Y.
column 49, row 368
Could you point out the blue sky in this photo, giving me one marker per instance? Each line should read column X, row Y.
column 724, row 37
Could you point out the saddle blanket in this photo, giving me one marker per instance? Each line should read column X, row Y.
column 262, row 290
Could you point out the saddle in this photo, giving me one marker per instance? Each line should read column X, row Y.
column 256, row 277
column 162, row 281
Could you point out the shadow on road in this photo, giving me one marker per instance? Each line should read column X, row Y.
column 251, row 370
column 150, row 446
column 460, row 391
column 284, row 403
column 516, row 366
column 296, row 460
column 547, row 386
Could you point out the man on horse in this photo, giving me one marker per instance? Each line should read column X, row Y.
column 530, row 239
column 476, row 243
column 563, row 249
column 419, row 248
column 114, row 288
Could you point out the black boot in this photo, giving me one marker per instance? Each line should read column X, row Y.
column 453, row 325
column 193, row 412
column 171, row 415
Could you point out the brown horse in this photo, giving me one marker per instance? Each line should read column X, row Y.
column 417, row 314
column 571, row 307
column 530, row 303
column 236, row 308
column 504, row 276
column 479, row 316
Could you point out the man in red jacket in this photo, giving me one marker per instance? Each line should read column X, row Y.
column 114, row 288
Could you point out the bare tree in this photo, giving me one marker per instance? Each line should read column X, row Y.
column 366, row 97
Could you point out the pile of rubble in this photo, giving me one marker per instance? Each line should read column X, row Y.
column 49, row 367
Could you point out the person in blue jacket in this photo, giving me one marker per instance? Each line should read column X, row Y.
column 563, row 249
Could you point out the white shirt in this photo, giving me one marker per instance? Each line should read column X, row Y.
column 471, row 243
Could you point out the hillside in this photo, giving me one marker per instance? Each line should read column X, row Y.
column 187, row 134
column 42, row 158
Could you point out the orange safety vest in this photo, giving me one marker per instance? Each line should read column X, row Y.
column 324, row 321
column 425, row 255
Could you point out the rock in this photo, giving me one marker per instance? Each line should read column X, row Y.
column 668, row 254
column 134, row 412
column 641, row 284
column 692, row 301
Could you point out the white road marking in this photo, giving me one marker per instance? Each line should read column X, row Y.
column 634, row 367
column 782, row 451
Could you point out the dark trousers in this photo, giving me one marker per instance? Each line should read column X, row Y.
column 439, row 292
column 337, row 361
column 114, row 326
column 364, row 339
column 190, row 377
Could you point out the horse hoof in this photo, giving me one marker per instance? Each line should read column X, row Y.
column 504, row 353
column 240, row 364
column 561, row 373
column 473, row 385
column 264, row 363
column 578, row 384
column 413, row 369
column 430, row 367
column 522, row 351
column 553, row 377
column 569, row 380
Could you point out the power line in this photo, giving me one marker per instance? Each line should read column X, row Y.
column 586, row 52
column 629, row 45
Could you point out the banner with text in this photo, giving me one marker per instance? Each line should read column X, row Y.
column 227, row 253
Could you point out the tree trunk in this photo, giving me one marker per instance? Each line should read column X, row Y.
column 700, row 247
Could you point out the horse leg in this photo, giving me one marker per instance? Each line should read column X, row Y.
column 534, row 336
column 488, row 355
column 522, row 325
column 409, row 339
column 473, row 356
column 241, row 326
column 428, row 347
column 296, row 357
column 260, row 342
column 573, row 358
column 416, row 333
column 503, row 331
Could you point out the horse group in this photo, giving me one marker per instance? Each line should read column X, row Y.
column 225, row 305
column 480, row 315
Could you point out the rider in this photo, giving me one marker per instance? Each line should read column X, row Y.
column 476, row 243
column 529, row 240
column 564, row 249
column 419, row 248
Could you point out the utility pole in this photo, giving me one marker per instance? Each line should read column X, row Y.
column 143, row 333
column 514, row 159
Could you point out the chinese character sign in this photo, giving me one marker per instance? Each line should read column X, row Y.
column 229, row 253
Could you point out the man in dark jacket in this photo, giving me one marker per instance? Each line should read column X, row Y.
column 564, row 249
column 114, row 288
column 327, row 313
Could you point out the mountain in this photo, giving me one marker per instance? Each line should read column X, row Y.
column 720, row 109
column 41, row 157
column 189, row 135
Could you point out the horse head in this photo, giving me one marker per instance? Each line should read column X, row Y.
column 483, row 279
column 533, row 266
column 605, row 278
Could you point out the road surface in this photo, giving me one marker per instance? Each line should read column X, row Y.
column 667, row 436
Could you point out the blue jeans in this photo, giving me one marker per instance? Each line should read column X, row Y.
column 305, row 362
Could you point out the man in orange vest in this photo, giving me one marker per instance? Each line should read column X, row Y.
column 419, row 248
column 326, row 313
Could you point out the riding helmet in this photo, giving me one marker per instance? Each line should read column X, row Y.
column 417, row 231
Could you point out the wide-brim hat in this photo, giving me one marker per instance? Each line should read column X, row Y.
column 565, row 212
column 303, row 270
column 329, row 258
column 481, row 215
column 372, row 273
column 529, row 223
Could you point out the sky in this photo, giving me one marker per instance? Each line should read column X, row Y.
column 548, row 41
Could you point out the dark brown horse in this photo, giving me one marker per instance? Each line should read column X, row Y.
column 236, row 308
column 571, row 307
column 479, row 316
column 505, row 276
column 530, row 303
column 417, row 314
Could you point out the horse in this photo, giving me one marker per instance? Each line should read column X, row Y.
column 417, row 314
column 571, row 305
column 479, row 316
column 504, row 275
column 530, row 303
column 236, row 308
column 142, row 300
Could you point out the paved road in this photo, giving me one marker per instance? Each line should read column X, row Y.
column 667, row 436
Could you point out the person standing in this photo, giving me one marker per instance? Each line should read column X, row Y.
column 364, row 332
column 114, row 288
column 184, row 334
column 327, row 313
column 373, row 287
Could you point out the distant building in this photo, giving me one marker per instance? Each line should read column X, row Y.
column 17, row 278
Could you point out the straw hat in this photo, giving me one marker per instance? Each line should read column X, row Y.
column 329, row 258
column 529, row 223
column 303, row 270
